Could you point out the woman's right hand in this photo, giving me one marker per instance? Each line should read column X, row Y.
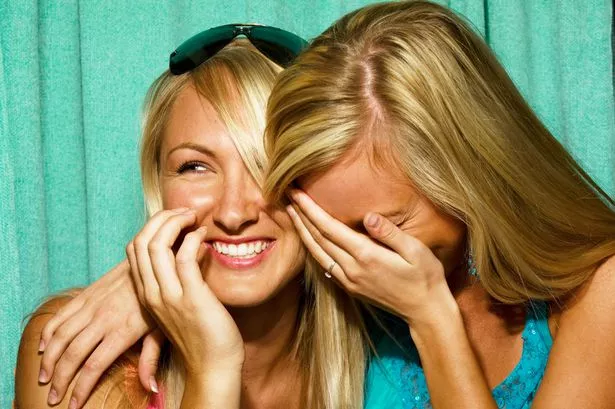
column 92, row 331
column 167, row 271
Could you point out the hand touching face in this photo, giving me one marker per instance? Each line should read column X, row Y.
column 354, row 187
column 253, row 250
column 379, row 238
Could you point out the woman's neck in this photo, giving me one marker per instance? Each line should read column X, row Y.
column 269, row 332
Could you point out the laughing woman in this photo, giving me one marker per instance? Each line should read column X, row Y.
column 491, row 243
column 422, row 182
column 221, row 270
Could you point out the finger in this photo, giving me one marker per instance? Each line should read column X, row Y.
column 141, row 250
column 134, row 271
column 344, row 260
column 70, row 361
column 161, row 253
column 148, row 360
column 329, row 227
column 106, row 353
column 188, row 269
column 76, row 304
column 387, row 233
column 62, row 315
column 315, row 249
column 62, row 337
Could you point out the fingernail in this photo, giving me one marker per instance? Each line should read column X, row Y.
column 153, row 385
column 52, row 399
column 291, row 210
column 41, row 346
column 42, row 376
column 73, row 403
column 372, row 220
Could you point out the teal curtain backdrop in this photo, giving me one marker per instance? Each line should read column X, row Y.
column 73, row 75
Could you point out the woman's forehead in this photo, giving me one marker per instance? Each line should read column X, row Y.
column 351, row 188
column 193, row 119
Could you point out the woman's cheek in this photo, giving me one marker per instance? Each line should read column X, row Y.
column 190, row 195
column 283, row 220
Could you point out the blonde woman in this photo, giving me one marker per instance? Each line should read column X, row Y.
column 219, row 269
column 426, row 185
column 430, row 189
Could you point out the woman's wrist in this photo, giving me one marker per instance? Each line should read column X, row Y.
column 214, row 388
column 203, row 369
column 224, row 371
column 437, row 321
column 447, row 356
column 435, row 316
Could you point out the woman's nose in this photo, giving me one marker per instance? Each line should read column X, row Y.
column 240, row 204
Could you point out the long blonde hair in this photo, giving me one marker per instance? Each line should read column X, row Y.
column 329, row 344
column 434, row 96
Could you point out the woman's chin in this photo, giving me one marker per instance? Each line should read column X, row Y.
column 251, row 286
column 242, row 299
column 248, row 293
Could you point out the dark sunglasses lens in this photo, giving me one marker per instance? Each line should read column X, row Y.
column 199, row 48
column 280, row 46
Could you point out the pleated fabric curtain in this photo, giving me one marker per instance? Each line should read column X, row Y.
column 73, row 75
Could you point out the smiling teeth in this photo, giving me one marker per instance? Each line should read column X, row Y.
column 246, row 250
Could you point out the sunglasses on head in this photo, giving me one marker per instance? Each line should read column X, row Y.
column 278, row 45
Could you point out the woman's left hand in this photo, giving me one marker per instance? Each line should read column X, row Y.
column 175, row 293
column 404, row 277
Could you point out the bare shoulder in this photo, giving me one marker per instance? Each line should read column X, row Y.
column 607, row 271
column 594, row 299
column 583, row 351
column 28, row 392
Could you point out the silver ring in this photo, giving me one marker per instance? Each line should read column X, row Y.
column 330, row 269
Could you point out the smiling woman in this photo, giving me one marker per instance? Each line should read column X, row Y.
column 419, row 180
column 220, row 270
column 199, row 170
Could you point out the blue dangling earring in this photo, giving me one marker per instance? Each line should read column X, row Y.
column 472, row 266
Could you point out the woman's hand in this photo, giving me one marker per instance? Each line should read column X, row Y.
column 404, row 277
column 197, row 324
column 92, row 331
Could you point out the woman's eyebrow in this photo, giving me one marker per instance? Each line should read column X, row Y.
column 194, row 146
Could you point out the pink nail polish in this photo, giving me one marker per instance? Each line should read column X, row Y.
column 42, row 376
column 52, row 399
column 153, row 385
column 73, row 403
column 41, row 346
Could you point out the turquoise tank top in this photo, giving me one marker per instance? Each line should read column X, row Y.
column 396, row 380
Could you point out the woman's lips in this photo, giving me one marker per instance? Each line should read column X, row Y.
column 240, row 262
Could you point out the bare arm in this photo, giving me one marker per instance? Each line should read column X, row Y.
column 198, row 325
column 218, row 390
column 405, row 278
column 581, row 369
column 454, row 377
column 29, row 393
column 92, row 330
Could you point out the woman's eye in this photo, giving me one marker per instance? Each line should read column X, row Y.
column 196, row 167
